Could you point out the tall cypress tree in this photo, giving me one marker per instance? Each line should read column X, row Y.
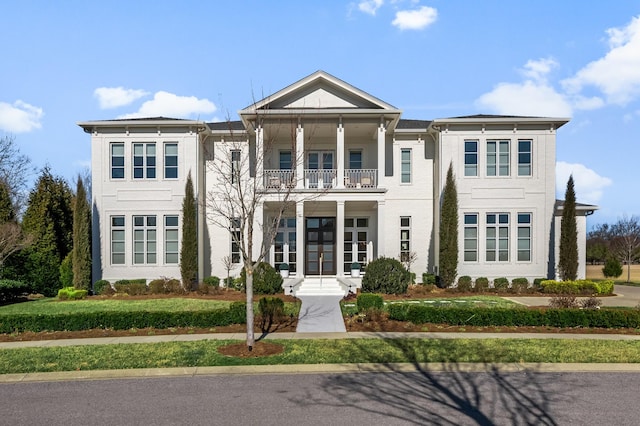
column 568, row 262
column 449, row 231
column 189, row 248
column 81, row 257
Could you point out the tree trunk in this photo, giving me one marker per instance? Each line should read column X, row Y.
column 249, row 291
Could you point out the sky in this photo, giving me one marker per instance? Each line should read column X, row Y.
column 70, row 61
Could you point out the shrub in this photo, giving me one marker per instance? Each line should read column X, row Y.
column 270, row 311
column 465, row 283
column 501, row 284
column 590, row 303
column 428, row 279
column 519, row 285
column 131, row 287
column 102, row 287
column 66, row 271
column 266, row 280
column 71, row 293
column 157, row 286
column 585, row 287
column 368, row 301
column 12, row 289
column 385, row 275
column 612, row 268
column 563, row 302
column 482, row 284
column 212, row 281
column 238, row 312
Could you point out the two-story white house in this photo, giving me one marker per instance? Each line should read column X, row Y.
column 359, row 182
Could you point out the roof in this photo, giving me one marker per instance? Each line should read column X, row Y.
column 413, row 124
column 580, row 207
column 491, row 118
column 227, row 125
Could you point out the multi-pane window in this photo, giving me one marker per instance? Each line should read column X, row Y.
column 236, row 236
column 497, row 158
column 405, row 238
column 355, row 160
column 285, row 160
column 144, row 160
column 171, row 161
column 524, row 237
column 497, row 243
column 171, row 250
column 524, row 158
column 117, row 160
column 117, row 240
column 235, row 166
column 471, row 237
column 356, row 238
column 144, row 240
column 405, row 166
column 471, row 158
column 285, row 239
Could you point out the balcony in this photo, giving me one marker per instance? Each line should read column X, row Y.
column 321, row 179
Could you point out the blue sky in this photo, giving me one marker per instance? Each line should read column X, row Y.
column 70, row 61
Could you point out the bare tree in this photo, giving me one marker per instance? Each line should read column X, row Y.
column 227, row 261
column 15, row 169
column 625, row 240
column 12, row 239
column 408, row 258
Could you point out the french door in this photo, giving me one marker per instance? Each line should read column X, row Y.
column 320, row 245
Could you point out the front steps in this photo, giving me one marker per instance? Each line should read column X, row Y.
column 317, row 286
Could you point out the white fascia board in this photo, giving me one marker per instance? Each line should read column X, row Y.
column 91, row 125
column 558, row 121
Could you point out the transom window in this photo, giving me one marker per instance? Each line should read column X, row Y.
column 498, row 158
column 117, row 240
column 471, row 158
column 170, row 160
column 524, row 158
column 471, row 237
column 524, row 237
column 497, row 244
column 171, row 249
column 144, row 240
column 117, row 160
column 405, row 166
column 144, row 160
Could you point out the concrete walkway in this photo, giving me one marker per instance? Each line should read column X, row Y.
column 320, row 314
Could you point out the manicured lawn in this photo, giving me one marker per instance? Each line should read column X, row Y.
column 205, row 353
column 462, row 301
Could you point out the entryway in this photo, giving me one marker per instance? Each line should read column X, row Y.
column 320, row 246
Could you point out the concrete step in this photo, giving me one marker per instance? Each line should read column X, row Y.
column 317, row 287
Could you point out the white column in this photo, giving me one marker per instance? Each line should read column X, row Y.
column 260, row 156
column 300, row 157
column 340, row 155
column 300, row 252
column 340, row 238
column 382, row 133
column 258, row 231
column 381, row 231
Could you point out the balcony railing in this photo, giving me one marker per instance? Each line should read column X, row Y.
column 361, row 178
column 321, row 179
column 279, row 179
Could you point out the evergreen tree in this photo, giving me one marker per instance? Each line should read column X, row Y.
column 568, row 262
column 189, row 249
column 81, row 259
column 449, row 231
column 48, row 219
column 7, row 213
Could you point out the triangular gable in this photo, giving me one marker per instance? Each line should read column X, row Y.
column 319, row 90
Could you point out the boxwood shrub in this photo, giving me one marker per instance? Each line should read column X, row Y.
column 465, row 283
column 266, row 280
column 584, row 287
column 12, row 289
column 367, row 301
column 386, row 275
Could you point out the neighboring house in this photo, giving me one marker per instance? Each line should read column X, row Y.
column 362, row 183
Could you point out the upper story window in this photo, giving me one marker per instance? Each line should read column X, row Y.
column 235, row 166
column 171, row 248
column 117, row 160
column 144, row 160
column 405, row 166
column 117, row 240
column 497, row 244
column 524, row 237
column 497, row 158
column 171, row 160
column 471, row 158
column 144, row 240
column 285, row 160
column 471, row 237
column 524, row 158
column 355, row 160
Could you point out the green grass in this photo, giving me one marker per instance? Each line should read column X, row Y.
column 462, row 301
column 320, row 351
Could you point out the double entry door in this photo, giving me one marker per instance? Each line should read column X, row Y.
column 320, row 245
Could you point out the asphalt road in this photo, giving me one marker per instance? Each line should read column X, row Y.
column 452, row 397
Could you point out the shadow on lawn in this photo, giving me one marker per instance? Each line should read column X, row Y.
column 449, row 395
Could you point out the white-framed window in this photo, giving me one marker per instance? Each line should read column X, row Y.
column 144, row 240
column 171, row 160
column 471, row 158
column 498, row 158
column 405, row 165
column 497, row 237
column 355, row 159
column 405, row 238
column 356, row 238
column 144, row 160
column 471, row 237
column 236, row 235
column 524, row 237
column 235, row 166
column 171, row 238
column 117, row 240
column 117, row 160
column 524, row 158
column 285, row 160
column 286, row 235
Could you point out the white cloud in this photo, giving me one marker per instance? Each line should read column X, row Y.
column 588, row 184
column 113, row 97
column 370, row 6
column 617, row 74
column 19, row 117
column 528, row 98
column 417, row 19
column 166, row 104
column 538, row 70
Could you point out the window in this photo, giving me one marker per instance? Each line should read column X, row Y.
column 471, row 237
column 235, row 166
column 497, row 158
column 524, row 237
column 171, row 161
column 235, row 239
column 285, row 238
column 405, row 238
column 144, row 240
column 524, row 158
column 285, row 160
column 497, row 248
column 471, row 158
column 117, row 161
column 144, row 160
column 117, row 240
column 356, row 238
column 405, row 166
column 355, row 160
column 171, row 249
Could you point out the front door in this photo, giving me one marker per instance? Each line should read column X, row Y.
column 320, row 239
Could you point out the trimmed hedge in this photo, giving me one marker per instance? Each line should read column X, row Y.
column 602, row 318
column 585, row 287
column 234, row 314
column 72, row 293
column 12, row 289
column 386, row 275
column 366, row 301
